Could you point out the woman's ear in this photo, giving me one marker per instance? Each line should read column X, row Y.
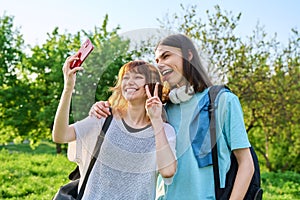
column 190, row 55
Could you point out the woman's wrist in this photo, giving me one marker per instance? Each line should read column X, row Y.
column 157, row 125
column 68, row 90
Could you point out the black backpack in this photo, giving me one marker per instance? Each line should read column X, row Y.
column 254, row 191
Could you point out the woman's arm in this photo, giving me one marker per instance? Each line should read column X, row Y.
column 63, row 132
column 165, row 158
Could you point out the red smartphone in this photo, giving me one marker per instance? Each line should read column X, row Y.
column 85, row 49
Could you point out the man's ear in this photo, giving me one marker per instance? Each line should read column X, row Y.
column 190, row 55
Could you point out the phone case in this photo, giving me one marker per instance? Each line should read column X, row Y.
column 85, row 49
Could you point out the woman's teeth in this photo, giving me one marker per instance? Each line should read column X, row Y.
column 131, row 90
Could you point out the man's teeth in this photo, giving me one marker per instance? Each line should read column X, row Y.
column 166, row 72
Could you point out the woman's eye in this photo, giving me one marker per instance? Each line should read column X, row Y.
column 139, row 77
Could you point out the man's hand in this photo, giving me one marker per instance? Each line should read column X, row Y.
column 100, row 109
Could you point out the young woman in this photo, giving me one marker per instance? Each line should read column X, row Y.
column 180, row 65
column 137, row 144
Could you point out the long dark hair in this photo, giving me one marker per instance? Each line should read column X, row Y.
column 193, row 70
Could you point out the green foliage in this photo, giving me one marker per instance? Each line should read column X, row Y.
column 45, row 65
column 109, row 77
column 11, row 46
column 281, row 186
column 269, row 89
column 100, row 69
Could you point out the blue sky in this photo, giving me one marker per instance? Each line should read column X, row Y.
column 37, row 17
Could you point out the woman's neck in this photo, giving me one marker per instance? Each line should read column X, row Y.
column 136, row 116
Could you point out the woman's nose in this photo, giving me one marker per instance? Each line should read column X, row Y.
column 130, row 81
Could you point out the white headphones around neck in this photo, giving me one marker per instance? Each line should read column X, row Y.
column 179, row 95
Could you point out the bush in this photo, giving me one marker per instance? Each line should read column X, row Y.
column 281, row 185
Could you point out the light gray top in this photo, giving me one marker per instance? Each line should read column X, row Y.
column 126, row 166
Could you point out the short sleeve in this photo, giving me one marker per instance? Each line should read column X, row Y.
column 171, row 137
column 86, row 131
column 231, row 131
column 234, row 125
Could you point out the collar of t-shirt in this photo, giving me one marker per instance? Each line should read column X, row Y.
column 134, row 130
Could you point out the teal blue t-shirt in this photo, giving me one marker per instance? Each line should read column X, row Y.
column 191, row 182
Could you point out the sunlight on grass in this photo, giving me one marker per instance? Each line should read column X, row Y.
column 37, row 174
column 32, row 174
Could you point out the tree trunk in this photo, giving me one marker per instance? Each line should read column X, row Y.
column 58, row 148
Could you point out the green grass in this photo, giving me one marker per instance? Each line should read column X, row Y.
column 37, row 174
column 32, row 174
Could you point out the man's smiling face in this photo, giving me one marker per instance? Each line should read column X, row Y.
column 170, row 64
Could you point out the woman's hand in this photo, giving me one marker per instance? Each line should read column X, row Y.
column 153, row 104
column 70, row 74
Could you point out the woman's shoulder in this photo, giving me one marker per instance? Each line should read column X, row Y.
column 90, row 122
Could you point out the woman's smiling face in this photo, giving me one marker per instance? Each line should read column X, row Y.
column 133, row 86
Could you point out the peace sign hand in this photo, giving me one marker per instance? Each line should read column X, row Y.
column 153, row 103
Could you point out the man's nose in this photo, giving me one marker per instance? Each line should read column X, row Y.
column 160, row 65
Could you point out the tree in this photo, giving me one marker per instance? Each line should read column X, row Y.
column 44, row 65
column 11, row 55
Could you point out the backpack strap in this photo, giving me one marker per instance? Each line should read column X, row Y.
column 95, row 153
column 213, row 93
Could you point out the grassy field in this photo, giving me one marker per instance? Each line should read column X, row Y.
column 32, row 174
column 37, row 174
